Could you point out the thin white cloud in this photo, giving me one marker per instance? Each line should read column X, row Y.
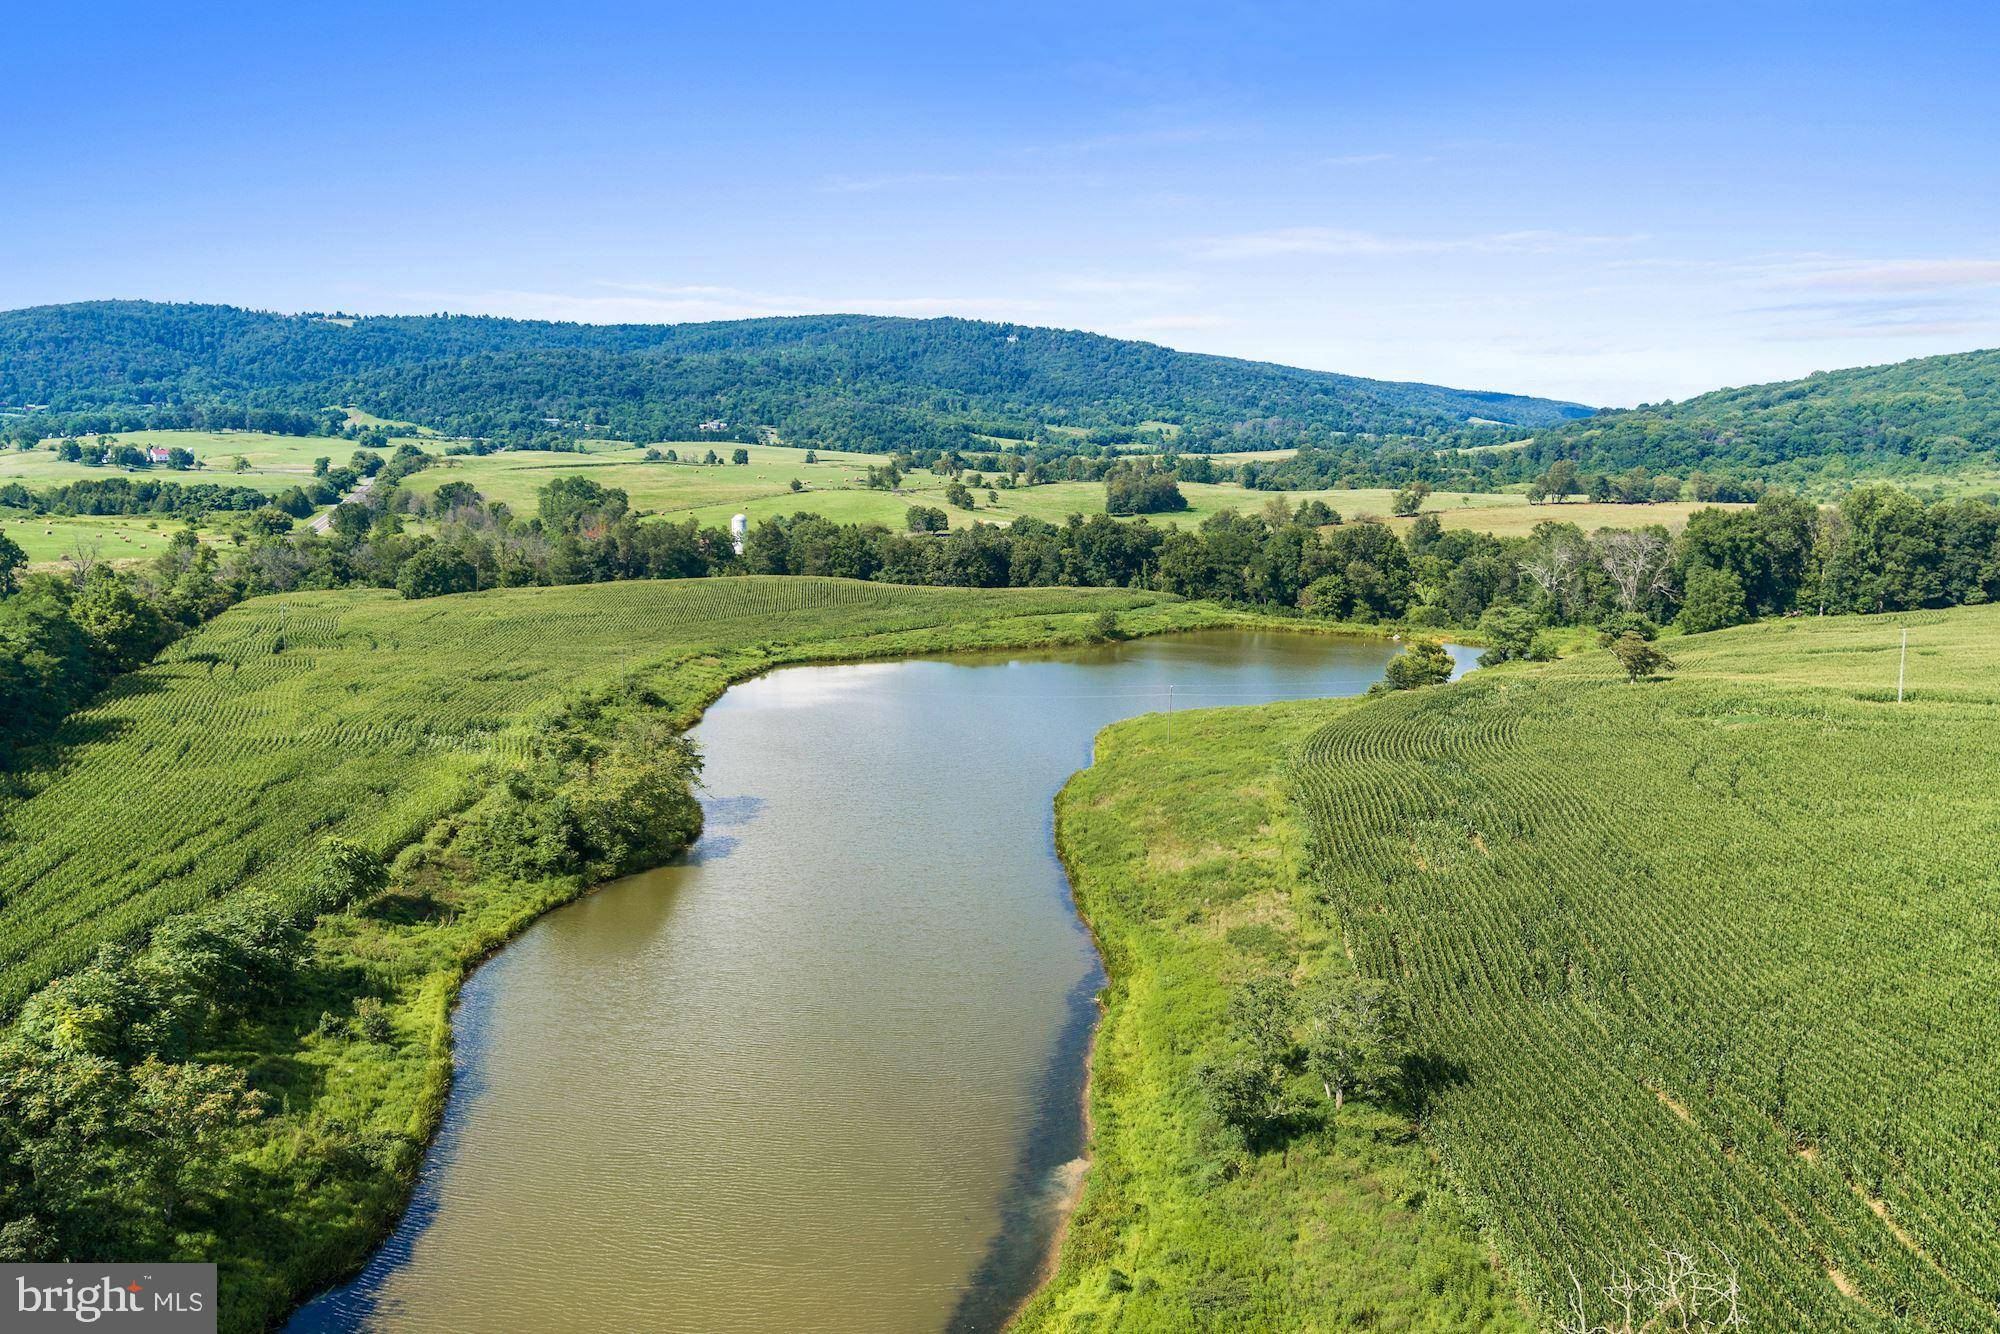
column 1340, row 241
column 1300, row 241
column 697, row 290
column 1838, row 330
column 895, row 180
column 1825, row 298
column 1900, row 275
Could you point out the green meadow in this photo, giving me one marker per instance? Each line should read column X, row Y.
column 833, row 485
column 1510, row 515
column 47, row 538
column 274, row 462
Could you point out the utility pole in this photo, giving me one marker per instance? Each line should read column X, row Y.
column 1902, row 661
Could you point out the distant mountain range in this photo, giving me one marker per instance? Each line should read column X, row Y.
column 878, row 383
column 1932, row 415
column 853, row 381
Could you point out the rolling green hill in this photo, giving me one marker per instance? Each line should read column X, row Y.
column 848, row 381
column 1930, row 416
column 1703, row 963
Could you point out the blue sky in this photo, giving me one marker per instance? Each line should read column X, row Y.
column 1614, row 203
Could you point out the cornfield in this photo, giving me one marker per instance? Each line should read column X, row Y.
column 291, row 718
column 1707, row 963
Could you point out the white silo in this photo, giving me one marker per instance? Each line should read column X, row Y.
column 738, row 528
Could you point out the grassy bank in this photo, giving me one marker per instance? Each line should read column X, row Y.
column 1185, row 856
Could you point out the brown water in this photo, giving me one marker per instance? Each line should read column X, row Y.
column 825, row 1072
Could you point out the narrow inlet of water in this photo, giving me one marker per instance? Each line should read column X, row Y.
column 825, row 1072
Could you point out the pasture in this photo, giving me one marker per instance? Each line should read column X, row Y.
column 357, row 417
column 710, row 492
column 833, row 487
column 275, row 462
column 47, row 538
column 1510, row 515
column 1681, row 951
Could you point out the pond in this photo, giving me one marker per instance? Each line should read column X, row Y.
column 826, row 1070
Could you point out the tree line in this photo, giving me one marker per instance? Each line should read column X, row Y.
column 64, row 633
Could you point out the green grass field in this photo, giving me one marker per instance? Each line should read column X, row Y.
column 761, row 489
column 1184, row 856
column 1510, row 515
column 712, row 494
column 356, row 417
column 1504, row 447
column 1254, row 455
column 47, row 538
column 276, row 461
column 1705, row 963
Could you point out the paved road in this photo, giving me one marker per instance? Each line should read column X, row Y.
column 321, row 522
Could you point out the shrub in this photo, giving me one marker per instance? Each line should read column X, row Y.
column 1640, row 659
column 435, row 571
column 371, row 1020
column 1423, row 663
column 926, row 519
column 342, row 873
column 1133, row 488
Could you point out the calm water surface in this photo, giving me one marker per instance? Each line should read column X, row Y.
column 825, row 1072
